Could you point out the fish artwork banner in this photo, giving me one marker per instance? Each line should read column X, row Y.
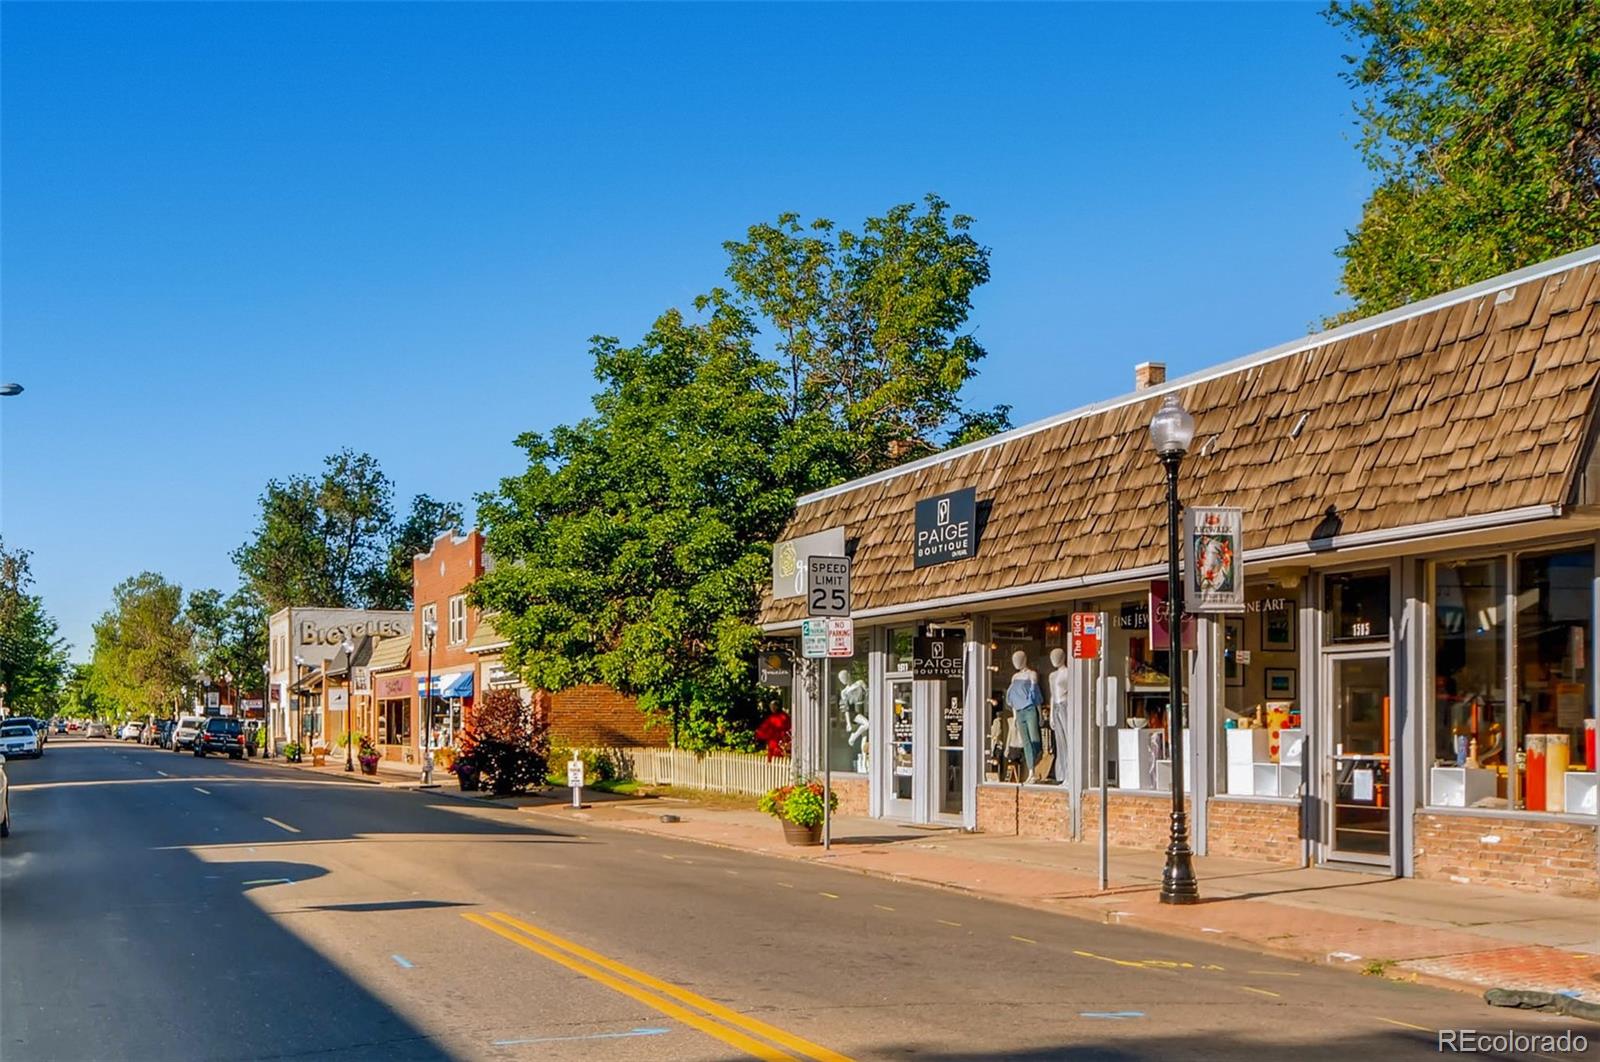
column 1213, row 541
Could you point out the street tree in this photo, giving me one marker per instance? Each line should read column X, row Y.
column 230, row 635
column 143, row 656
column 33, row 656
column 630, row 550
column 1481, row 121
column 869, row 333
column 332, row 540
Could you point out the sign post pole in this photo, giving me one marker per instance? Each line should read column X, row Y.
column 575, row 779
column 827, row 765
column 828, row 594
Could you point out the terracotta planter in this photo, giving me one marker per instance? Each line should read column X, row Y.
column 369, row 765
column 801, row 835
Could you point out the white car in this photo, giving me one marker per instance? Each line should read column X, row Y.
column 95, row 729
column 131, row 731
column 5, row 801
column 20, row 739
column 184, row 733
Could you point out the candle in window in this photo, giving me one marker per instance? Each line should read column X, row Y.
column 1558, row 752
column 1534, row 790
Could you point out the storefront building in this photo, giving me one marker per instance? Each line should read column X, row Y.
column 439, row 583
column 303, row 643
column 1409, row 686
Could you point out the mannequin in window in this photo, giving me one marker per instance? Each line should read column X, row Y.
column 1060, row 684
column 1023, row 697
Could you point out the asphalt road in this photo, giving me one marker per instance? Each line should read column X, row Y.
column 158, row 906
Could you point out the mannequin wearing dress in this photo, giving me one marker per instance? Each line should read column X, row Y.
column 1060, row 685
column 1024, row 697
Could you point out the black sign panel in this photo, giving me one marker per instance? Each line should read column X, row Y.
column 775, row 666
column 947, row 527
column 939, row 656
column 953, row 720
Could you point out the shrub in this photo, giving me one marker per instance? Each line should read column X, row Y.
column 508, row 743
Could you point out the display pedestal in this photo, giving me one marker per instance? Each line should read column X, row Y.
column 1580, row 792
column 1164, row 767
column 1463, row 787
column 1135, row 759
column 1245, row 748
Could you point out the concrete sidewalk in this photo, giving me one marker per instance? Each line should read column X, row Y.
column 1394, row 927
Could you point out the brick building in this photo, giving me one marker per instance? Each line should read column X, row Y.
column 439, row 582
column 1407, row 685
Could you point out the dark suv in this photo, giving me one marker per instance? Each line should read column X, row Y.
column 221, row 735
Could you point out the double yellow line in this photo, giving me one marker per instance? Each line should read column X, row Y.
column 696, row 1011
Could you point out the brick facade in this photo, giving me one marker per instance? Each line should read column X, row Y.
column 1024, row 812
column 1137, row 820
column 447, row 569
column 598, row 716
column 1525, row 854
column 852, row 794
column 1254, row 829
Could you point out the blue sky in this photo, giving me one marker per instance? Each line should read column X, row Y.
column 237, row 238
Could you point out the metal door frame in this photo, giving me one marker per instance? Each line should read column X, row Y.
column 1327, row 714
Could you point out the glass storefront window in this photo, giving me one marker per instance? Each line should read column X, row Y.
column 1025, row 719
column 1358, row 606
column 1469, row 654
column 848, row 741
column 1261, row 695
column 1555, row 606
column 902, row 648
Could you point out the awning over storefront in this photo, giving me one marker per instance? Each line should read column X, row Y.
column 453, row 684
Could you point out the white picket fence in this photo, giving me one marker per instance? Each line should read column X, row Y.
column 720, row 772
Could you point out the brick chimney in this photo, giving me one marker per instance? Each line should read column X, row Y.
column 1148, row 374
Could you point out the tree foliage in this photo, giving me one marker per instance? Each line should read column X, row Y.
column 632, row 549
column 507, row 743
column 33, row 657
column 869, row 335
column 333, row 541
column 639, row 535
column 1481, row 120
column 230, row 635
column 143, row 654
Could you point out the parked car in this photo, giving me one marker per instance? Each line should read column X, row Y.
column 221, row 734
column 19, row 738
column 184, row 733
column 73, row 726
column 95, row 729
column 5, row 800
column 159, row 733
column 61, row 726
column 132, row 730
column 39, row 726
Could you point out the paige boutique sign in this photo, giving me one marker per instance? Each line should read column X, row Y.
column 1213, row 580
column 939, row 656
column 947, row 527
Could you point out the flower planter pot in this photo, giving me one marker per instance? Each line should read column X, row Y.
column 801, row 835
column 369, row 765
column 468, row 780
column 318, row 759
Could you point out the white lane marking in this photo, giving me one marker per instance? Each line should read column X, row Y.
column 590, row 1036
column 197, row 789
column 164, row 774
column 1115, row 1015
column 403, row 962
column 280, row 825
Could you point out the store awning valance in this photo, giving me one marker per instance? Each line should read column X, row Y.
column 455, row 684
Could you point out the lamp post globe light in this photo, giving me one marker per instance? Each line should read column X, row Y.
column 430, row 628
column 349, row 648
column 1171, row 432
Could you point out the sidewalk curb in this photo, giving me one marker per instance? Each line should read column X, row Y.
column 1065, row 908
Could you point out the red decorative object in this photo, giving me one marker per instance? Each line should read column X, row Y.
column 776, row 734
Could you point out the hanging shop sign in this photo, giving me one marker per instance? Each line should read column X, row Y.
column 828, row 586
column 775, row 667
column 939, row 656
column 790, row 559
column 497, row 676
column 338, row 700
column 946, row 527
column 1087, row 628
column 361, row 679
column 1160, row 614
column 1213, row 539
column 394, row 687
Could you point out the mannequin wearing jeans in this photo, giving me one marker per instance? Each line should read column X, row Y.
column 1024, row 698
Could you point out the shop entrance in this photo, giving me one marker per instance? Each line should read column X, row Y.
column 1358, row 773
column 923, row 777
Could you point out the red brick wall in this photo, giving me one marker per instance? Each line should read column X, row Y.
column 1025, row 812
column 600, row 717
column 1524, row 854
column 462, row 561
column 852, row 794
column 1136, row 820
column 1246, row 829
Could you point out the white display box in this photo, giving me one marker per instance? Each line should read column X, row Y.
column 1164, row 768
column 1245, row 748
column 1462, row 787
column 1292, row 746
column 1135, row 760
column 1290, row 775
column 1581, row 792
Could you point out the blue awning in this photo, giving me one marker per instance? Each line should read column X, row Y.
column 455, row 684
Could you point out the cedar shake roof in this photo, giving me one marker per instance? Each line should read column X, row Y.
column 1475, row 402
column 485, row 637
column 392, row 654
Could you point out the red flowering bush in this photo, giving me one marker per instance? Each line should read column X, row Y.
column 800, row 803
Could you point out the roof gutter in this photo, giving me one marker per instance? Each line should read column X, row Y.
column 1289, row 551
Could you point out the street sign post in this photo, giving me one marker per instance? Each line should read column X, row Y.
column 1086, row 629
column 575, row 779
column 828, row 603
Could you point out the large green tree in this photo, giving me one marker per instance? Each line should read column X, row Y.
column 333, row 540
column 230, row 635
column 637, row 538
column 143, row 656
column 33, row 657
column 1481, row 120
column 869, row 335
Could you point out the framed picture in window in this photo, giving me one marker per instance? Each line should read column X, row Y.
column 1280, row 683
column 1232, row 642
column 1277, row 630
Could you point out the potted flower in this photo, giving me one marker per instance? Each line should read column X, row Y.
column 319, row 754
column 368, row 755
column 292, row 752
column 799, row 808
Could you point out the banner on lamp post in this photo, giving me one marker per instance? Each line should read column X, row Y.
column 1213, row 545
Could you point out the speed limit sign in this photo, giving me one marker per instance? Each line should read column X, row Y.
column 828, row 586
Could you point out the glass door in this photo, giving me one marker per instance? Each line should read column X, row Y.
column 900, row 765
column 949, row 718
column 1359, row 765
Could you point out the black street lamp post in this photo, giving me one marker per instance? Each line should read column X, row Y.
column 349, row 648
column 266, row 710
column 1171, row 431
column 429, row 629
